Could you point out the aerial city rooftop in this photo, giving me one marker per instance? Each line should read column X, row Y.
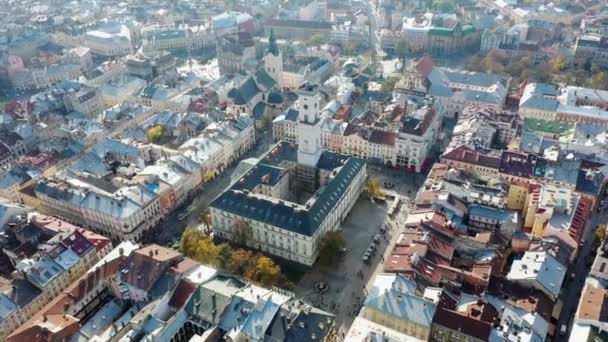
column 317, row 170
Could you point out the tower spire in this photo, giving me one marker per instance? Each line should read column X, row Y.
column 273, row 48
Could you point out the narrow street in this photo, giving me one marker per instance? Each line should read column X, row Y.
column 170, row 230
column 572, row 294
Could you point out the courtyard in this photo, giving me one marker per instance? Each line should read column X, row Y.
column 347, row 279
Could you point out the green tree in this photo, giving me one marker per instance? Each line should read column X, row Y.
column 273, row 48
column 373, row 187
column 205, row 216
column 542, row 72
column 517, row 68
column 558, row 64
column 331, row 245
column 195, row 245
column 494, row 62
column 444, row 6
column 600, row 233
column 266, row 121
column 155, row 133
column 389, row 83
column 474, row 63
column 241, row 232
column 243, row 263
column 349, row 48
column 224, row 256
column 600, row 80
column 315, row 40
column 266, row 271
column 189, row 240
column 401, row 50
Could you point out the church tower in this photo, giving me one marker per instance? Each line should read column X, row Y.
column 273, row 59
column 309, row 130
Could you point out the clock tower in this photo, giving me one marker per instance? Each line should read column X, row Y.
column 309, row 130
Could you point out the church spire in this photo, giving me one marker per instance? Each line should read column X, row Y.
column 272, row 44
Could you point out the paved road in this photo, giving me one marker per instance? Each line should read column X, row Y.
column 375, row 32
column 171, row 229
column 404, row 183
column 347, row 288
column 571, row 295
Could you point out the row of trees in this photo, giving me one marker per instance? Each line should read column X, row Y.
column 555, row 70
column 246, row 263
column 253, row 266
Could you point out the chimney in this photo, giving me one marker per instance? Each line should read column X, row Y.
column 44, row 318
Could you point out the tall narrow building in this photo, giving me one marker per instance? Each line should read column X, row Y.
column 309, row 137
column 273, row 60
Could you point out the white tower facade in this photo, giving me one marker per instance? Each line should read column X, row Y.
column 309, row 129
column 273, row 60
column 273, row 64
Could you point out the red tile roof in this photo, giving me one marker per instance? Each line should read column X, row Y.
column 438, row 171
column 344, row 112
column 577, row 226
column 594, row 305
column 382, row 137
column 466, row 325
column 147, row 264
column 182, row 293
column 438, row 223
column 424, row 65
column 50, row 323
column 529, row 299
column 56, row 225
column 418, row 127
column 428, row 271
column 466, row 155
column 398, row 263
column 185, row 265
column 441, row 247
column 78, row 243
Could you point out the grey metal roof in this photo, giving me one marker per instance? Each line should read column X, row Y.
column 540, row 96
column 399, row 301
column 480, row 79
column 260, row 173
column 482, row 96
column 287, row 215
column 12, row 177
column 260, row 318
column 43, row 271
column 243, row 94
